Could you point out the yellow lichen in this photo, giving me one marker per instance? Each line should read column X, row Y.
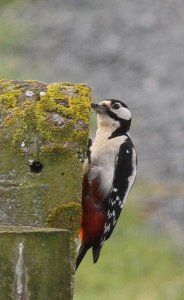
column 8, row 97
column 66, row 216
column 32, row 107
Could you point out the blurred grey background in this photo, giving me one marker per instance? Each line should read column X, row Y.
column 129, row 50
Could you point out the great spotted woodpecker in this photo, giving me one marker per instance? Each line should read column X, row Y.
column 109, row 173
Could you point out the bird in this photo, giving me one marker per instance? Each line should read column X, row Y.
column 109, row 172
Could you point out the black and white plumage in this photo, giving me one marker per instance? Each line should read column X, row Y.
column 109, row 174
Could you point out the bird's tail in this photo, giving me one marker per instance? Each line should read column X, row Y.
column 96, row 253
column 81, row 253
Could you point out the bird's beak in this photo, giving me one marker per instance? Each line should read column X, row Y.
column 98, row 108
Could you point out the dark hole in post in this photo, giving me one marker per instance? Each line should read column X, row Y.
column 35, row 166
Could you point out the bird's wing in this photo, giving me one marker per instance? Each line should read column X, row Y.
column 125, row 172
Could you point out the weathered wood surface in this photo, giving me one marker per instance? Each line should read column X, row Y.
column 43, row 138
column 34, row 264
column 45, row 123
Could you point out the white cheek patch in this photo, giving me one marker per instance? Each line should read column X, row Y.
column 123, row 113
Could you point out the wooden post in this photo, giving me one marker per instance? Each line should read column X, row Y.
column 41, row 126
column 43, row 134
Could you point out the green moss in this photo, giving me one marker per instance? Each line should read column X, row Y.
column 6, row 277
column 44, row 249
column 70, row 101
column 8, row 102
column 8, row 97
column 66, row 216
column 56, row 115
column 54, row 151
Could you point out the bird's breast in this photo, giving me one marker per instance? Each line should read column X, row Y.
column 103, row 160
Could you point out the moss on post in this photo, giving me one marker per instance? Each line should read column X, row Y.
column 66, row 216
column 47, row 124
column 44, row 133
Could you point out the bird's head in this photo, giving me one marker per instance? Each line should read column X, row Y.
column 113, row 114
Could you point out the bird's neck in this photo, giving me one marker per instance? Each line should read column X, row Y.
column 112, row 127
column 123, row 129
column 107, row 133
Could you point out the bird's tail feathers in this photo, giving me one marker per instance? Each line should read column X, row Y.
column 81, row 253
column 96, row 253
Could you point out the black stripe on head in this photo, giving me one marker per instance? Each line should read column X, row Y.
column 112, row 114
column 117, row 101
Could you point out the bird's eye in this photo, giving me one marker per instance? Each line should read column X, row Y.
column 116, row 106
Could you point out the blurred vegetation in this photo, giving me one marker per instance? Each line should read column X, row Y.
column 16, row 34
column 137, row 263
